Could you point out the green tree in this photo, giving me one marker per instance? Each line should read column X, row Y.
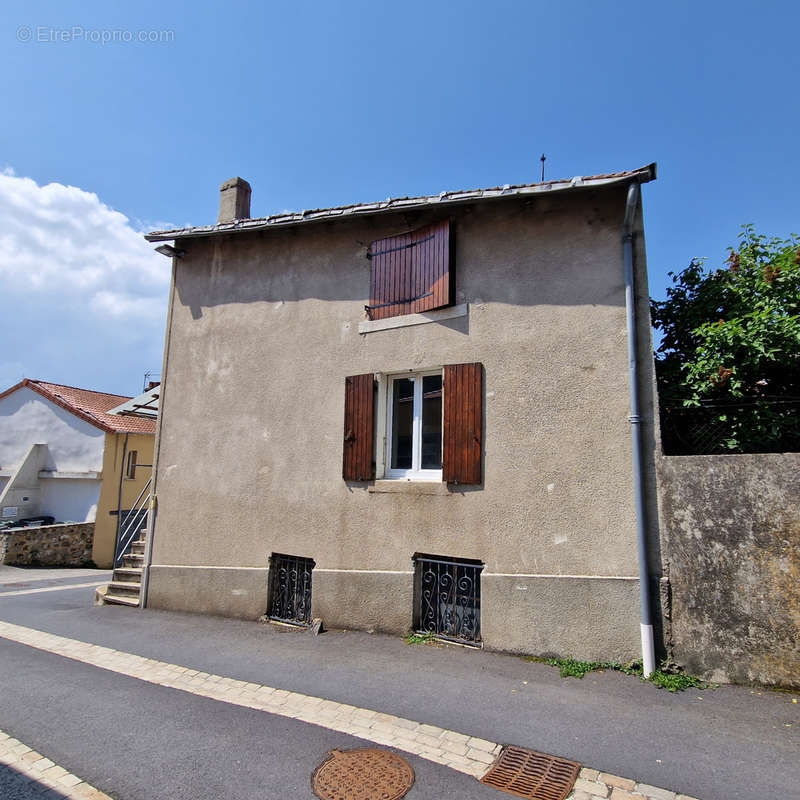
column 731, row 342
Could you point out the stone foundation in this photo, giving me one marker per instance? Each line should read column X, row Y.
column 67, row 545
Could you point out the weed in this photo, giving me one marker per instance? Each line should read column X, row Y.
column 420, row 638
column 668, row 676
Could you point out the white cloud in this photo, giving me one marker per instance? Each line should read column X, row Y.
column 83, row 296
column 59, row 241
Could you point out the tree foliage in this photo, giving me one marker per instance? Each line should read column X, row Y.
column 731, row 339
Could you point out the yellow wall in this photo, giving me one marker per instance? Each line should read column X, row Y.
column 105, row 531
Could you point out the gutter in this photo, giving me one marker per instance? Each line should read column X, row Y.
column 648, row 648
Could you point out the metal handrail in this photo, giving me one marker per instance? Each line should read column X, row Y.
column 127, row 527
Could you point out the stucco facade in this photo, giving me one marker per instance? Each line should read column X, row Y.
column 63, row 455
column 119, row 490
column 70, row 471
column 263, row 330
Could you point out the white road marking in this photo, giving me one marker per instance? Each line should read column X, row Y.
column 53, row 588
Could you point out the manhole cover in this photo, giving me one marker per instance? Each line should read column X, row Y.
column 527, row 773
column 362, row 774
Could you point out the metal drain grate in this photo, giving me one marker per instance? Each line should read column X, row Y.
column 527, row 773
column 362, row 774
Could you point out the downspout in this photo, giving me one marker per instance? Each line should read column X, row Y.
column 119, row 499
column 648, row 648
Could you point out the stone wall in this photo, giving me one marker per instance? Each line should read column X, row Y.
column 68, row 545
column 731, row 543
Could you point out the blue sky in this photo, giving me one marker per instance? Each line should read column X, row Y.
column 319, row 104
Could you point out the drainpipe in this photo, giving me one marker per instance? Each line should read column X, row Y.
column 648, row 648
column 119, row 498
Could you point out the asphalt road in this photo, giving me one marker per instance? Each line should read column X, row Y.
column 135, row 740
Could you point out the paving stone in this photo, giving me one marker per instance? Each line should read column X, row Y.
column 53, row 772
column 592, row 788
column 615, row 780
column 654, row 793
column 588, row 774
column 481, row 744
column 455, row 737
column 624, row 794
column 480, row 755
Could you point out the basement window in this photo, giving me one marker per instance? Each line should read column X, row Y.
column 447, row 598
column 290, row 589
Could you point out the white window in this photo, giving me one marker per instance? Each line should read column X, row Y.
column 414, row 426
column 130, row 467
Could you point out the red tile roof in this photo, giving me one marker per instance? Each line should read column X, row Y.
column 89, row 406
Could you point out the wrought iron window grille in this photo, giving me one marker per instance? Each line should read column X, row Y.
column 290, row 589
column 447, row 598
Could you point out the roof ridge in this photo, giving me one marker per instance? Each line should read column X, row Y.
column 285, row 218
column 79, row 388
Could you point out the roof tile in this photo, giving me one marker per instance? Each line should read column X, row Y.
column 90, row 406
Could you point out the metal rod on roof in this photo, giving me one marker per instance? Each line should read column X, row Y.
column 542, row 159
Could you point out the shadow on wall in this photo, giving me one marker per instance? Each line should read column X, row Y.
column 540, row 251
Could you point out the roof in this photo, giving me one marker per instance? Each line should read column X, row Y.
column 641, row 175
column 92, row 407
column 145, row 405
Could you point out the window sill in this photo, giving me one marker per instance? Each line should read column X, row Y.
column 369, row 326
column 399, row 486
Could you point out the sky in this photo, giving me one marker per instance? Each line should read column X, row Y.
column 121, row 118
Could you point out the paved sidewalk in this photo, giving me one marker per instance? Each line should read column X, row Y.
column 711, row 744
column 463, row 753
column 28, row 775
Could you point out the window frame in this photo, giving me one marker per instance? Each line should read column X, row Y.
column 130, row 465
column 416, row 473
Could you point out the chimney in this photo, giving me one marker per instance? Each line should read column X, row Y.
column 234, row 200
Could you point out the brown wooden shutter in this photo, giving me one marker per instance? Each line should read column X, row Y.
column 410, row 273
column 359, row 406
column 463, row 423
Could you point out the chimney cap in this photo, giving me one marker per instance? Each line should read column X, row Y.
column 234, row 182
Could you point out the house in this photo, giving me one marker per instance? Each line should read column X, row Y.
column 65, row 455
column 413, row 415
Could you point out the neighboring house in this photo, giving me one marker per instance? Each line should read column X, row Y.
column 63, row 454
column 474, row 343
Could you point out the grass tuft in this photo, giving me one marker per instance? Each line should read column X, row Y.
column 420, row 638
column 668, row 676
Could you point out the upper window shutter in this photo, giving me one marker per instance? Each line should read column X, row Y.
column 359, row 404
column 410, row 273
column 463, row 423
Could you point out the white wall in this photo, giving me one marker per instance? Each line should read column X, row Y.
column 69, row 499
column 27, row 418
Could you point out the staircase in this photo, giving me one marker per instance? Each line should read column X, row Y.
column 126, row 582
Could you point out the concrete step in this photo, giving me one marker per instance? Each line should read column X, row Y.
column 127, row 575
column 124, row 589
column 135, row 560
column 137, row 548
column 120, row 600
